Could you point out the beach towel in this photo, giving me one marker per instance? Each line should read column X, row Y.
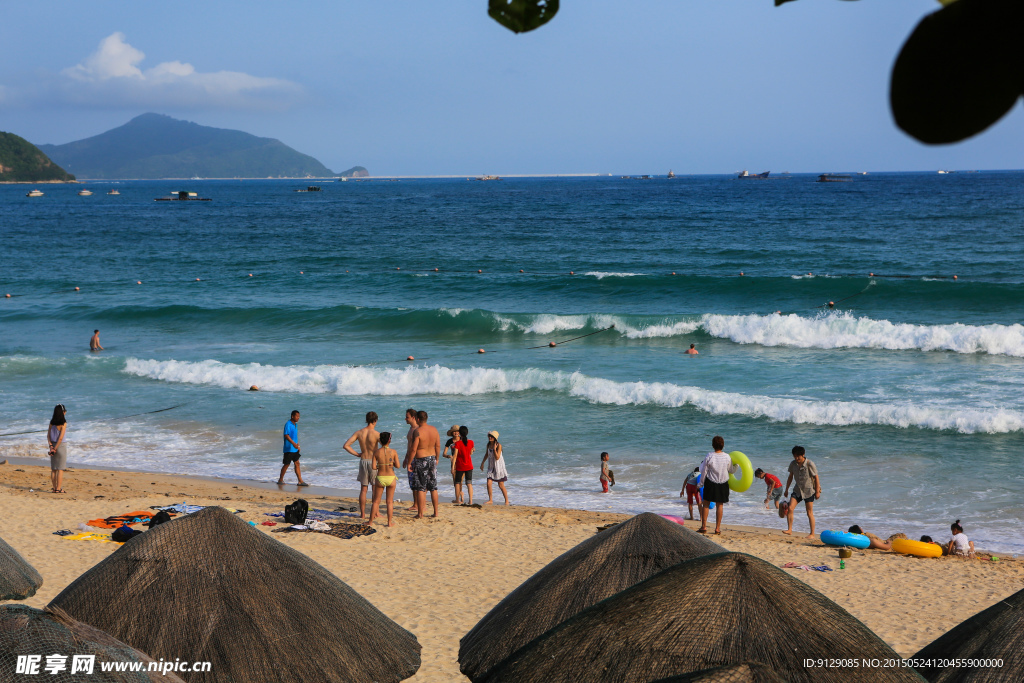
column 89, row 536
column 340, row 530
column 819, row 568
column 181, row 508
column 116, row 521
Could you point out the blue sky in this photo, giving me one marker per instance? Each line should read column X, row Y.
column 417, row 87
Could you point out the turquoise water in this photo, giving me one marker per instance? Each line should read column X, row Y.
column 907, row 394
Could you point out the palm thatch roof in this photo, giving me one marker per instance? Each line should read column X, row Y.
column 209, row 587
column 711, row 611
column 18, row 579
column 994, row 633
column 747, row 672
column 596, row 569
column 28, row 631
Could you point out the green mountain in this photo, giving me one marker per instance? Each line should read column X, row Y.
column 158, row 146
column 22, row 162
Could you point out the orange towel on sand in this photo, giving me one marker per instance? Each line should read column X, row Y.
column 119, row 520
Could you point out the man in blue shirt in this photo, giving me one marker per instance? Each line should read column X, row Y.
column 292, row 452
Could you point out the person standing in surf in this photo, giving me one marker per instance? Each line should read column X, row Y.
column 94, row 342
column 292, row 451
column 495, row 464
column 463, row 448
column 807, row 488
column 714, row 472
column 58, row 447
column 367, row 438
column 410, row 419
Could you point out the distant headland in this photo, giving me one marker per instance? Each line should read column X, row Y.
column 23, row 162
column 154, row 146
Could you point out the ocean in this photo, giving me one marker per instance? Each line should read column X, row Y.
column 908, row 393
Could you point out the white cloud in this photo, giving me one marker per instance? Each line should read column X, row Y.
column 112, row 77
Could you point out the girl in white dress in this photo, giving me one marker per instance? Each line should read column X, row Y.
column 494, row 463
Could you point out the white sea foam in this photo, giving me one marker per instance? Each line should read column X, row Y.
column 600, row 275
column 436, row 379
column 833, row 330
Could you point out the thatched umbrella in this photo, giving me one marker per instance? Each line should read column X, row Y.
column 994, row 633
column 596, row 569
column 712, row 611
column 209, row 587
column 747, row 672
column 18, row 579
column 25, row 631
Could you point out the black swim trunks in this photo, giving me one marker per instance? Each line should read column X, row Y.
column 798, row 498
column 424, row 474
column 466, row 474
column 289, row 458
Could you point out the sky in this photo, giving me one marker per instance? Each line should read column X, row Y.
column 417, row 87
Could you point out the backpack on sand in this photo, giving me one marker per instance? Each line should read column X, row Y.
column 159, row 518
column 296, row 512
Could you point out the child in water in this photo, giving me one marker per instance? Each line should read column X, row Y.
column 959, row 544
column 606, row 474
column 774, row 487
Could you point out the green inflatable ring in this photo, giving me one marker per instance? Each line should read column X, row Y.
column 741, row 484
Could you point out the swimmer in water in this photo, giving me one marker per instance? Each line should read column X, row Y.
column 692, row 351
column 94, row 343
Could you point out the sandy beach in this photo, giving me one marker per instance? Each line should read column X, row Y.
column 470, row 558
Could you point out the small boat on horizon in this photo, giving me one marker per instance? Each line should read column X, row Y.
column 834, row 178
column 311, row 188
column 759, row 176
column 85, row 193
column 671, row 174
column 113, row 192
column 182, row 196
column 34, row 193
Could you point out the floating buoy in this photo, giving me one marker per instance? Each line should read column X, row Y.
column 552, row 344
column 435, row 270
column 410, row 358
column 741, row 273
column 250, row 274
column 7, row 296
column 480, row 351
column 397, row 268
column 76, row 289
column 520, row 270
column 302, row 272
column 198, row 280
column 954, row 277
column 673, row 272
column 254, row 388
column 138, row 282
column 871, row 274
column 831, row 304
column 571, row 273
column 810, row 274
column 479, row 271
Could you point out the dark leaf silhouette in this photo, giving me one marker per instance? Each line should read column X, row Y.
column 520, row 16
column 960, row 71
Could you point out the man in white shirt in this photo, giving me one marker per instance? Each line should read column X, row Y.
column 714, row 473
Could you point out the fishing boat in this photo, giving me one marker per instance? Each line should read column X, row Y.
column 113, row 192
column 35, row 193
column 758, row 176
column 671, row 174
column 834, row 178
column 183, row 196
column 311, row 188
column 488, row 177
column 85, row 193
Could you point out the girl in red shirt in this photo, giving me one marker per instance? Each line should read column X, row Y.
column 463, row 465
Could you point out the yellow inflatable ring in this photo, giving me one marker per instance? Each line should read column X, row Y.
column 741, row 484
column 908, row 547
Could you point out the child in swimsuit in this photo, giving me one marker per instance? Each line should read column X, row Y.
column 386, row 460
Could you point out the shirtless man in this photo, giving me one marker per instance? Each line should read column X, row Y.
column 692, row 351
column 367, row 438
column 94, row 343
column 410, row 419
column 426, row 446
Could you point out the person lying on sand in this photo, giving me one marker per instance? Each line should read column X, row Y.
column 876, row 542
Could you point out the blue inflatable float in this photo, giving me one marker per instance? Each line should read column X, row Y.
column 845, row 539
